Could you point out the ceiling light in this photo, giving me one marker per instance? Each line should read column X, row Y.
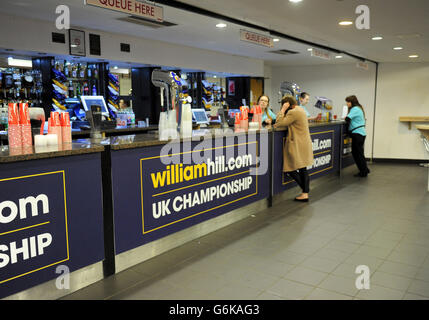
column 295, row 1
column 398, row 48
column 115, row 67
column 345, row 23
column 413, row 56
column 19, row 62
column 377, row 38
column 310, row 49
column 338, row 57
column 276, row 39
column 221, row 25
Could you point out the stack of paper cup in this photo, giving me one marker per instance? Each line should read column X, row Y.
column 14, row 131
column 56, row 126
column 66, row 127
column 24, row 123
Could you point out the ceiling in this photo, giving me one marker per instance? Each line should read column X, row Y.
column 402, row 23
column 303, row 20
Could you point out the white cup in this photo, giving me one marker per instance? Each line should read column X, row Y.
column 40, row 141
column 52, row 139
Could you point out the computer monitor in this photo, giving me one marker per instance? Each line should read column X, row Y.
column 200, row 116
column 88, row 101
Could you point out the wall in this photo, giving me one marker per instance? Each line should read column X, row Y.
column 34, row 35
column 403, row 90
column 335, row 82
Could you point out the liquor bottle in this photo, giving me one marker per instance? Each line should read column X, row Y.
column 71, row 90
column 74, row 71
column 96, row 73
column 89, row 71
column 78, row 90
column 66, row 69
column 85, row 89
column 82, row 71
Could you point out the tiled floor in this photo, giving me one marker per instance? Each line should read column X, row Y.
column 302, row 251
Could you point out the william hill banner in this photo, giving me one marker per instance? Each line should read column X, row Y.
column 183, row 188
column 33, row 224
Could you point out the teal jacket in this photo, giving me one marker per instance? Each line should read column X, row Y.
column 357, row 121
column 272, row 115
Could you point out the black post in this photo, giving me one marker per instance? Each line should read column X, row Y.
column 146, row 97
column 45, row 65
column 108, row 218
column 271, row 167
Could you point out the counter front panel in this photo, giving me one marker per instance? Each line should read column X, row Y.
column 326, row 149
column 50, row 216
column 161, row 190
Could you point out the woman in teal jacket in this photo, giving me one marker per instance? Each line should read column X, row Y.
column 356, row 127
column 268, row 116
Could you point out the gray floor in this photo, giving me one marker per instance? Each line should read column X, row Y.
column 302, row 251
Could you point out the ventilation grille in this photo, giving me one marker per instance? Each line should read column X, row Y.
column 146, row 22
column 283, row 52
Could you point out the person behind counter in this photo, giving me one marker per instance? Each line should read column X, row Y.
column 298, row 150
column 356, row 127
column 268, row 115
column 304, row 99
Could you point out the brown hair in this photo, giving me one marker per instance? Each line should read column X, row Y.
column 355, row 102
column 266, row 109
column 290, row 99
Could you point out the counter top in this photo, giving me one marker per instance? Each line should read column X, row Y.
column 71, row 149
column 76, row 133
column 85, row 146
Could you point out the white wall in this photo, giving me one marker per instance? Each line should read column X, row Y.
column 335, row 82
column 34, row 35
column 403, row 90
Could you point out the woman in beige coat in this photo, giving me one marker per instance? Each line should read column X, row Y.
column 298, row 150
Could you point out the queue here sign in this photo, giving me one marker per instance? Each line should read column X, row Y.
column 133, row 7
column 256, row 38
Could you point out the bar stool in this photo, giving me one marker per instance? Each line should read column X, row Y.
column 424, row 130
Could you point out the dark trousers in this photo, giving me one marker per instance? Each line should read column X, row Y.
column 302, row 178
column 358, row 142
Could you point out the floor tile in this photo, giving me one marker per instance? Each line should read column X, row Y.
column 290, row 289
column 339, row 284
column 409, row 258
column 380, row 293
column 320, row 264
column 390, row 281
column 410, row 296
column 268, row 296
column 419, row 287
column 373, row 251
column 306, row 276
column 399, row 269
column 322, row 294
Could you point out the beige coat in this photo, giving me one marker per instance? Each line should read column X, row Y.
column 298, row 149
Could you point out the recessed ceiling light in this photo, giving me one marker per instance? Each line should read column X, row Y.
column 309, row 49
column 221, row 25
column 276, row 39
column 115, row 67
column 338, row 57
column 413, row 56
column 377, row 38
column 295, row 1
column 398, row 48
column 345, row 23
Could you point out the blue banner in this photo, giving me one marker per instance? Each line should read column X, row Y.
column 50, row 215
column 169, row 190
